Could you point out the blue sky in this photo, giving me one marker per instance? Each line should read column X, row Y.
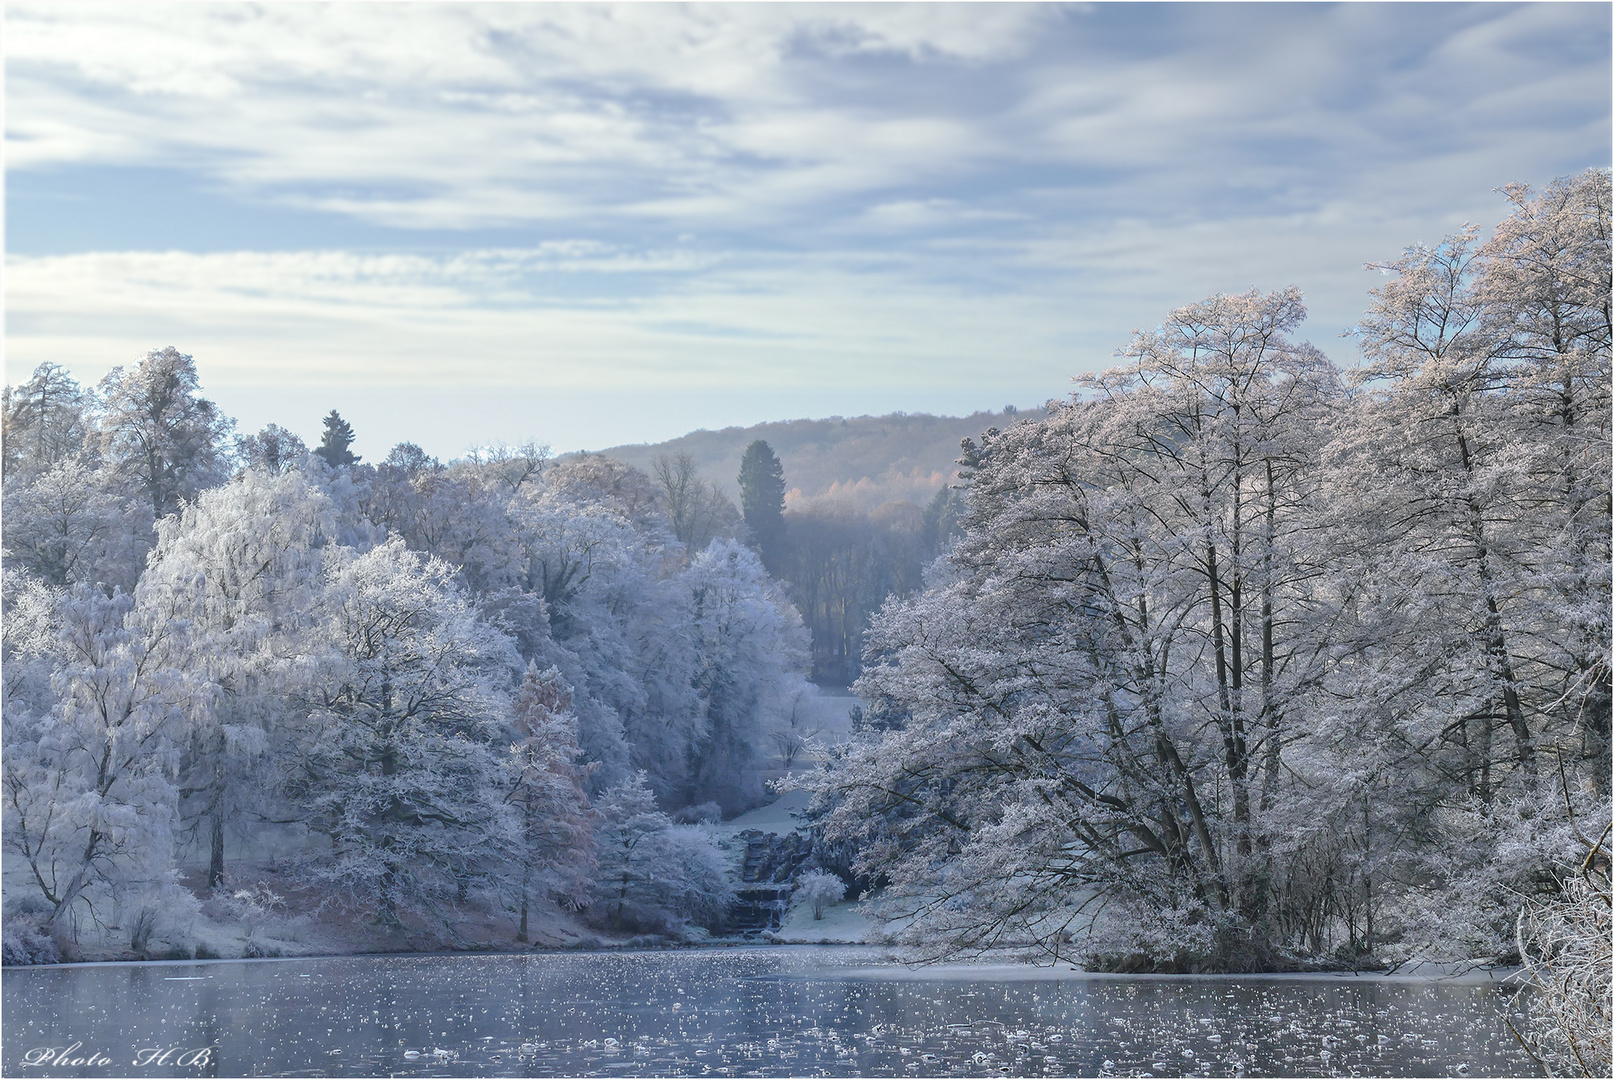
column 590, row 224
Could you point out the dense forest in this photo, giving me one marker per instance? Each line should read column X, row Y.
column 497, row 680
column 1245, row 661
column 866, row 503
column 837, row 561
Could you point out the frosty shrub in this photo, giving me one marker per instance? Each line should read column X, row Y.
column 1565, row 947
column 705, row 814
column 253, row 907
column 153, row 911
column 820, row 890
column 25, row 940
column 1131, row 936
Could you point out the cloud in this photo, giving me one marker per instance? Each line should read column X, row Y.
column 922, row 200
column 752, row 116
column 1025, row 308
column 521, row 317
column 494, row 113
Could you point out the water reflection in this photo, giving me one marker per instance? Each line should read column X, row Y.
column 803, row 1011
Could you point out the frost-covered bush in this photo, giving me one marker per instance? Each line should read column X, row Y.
column 1140, row 936
column 1567, row 948
column 704, row 814
column 820, row 890
column 159, row 911
column 251, row 907
column 253, row 911
column 1493, row 863
column 25, row 940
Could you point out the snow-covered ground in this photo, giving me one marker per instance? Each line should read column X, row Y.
column 846, row 923
column 783, row 815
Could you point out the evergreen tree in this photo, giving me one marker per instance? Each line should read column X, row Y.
column 333, row 447
column 762, row 499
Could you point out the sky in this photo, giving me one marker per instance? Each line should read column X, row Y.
column 587, row 225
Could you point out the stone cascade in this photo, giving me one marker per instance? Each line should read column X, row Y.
column 767, row 875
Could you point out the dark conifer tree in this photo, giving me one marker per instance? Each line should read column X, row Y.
column 762, row 499
column 333, row 447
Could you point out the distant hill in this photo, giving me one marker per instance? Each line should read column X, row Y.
column 862, row 460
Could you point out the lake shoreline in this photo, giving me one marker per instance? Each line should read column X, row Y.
column 995, row 970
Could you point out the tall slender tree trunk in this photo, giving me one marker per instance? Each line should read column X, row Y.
column 215, row 862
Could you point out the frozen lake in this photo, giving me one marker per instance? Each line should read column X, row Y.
column 796, row 1011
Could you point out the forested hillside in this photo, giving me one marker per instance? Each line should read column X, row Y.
column 859, row 462
column 866, row 503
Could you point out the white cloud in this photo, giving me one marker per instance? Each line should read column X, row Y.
column 458, row 115
column 919, row 199
column 491, row 317
column 494, row 108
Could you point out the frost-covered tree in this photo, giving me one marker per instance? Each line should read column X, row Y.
column 751, row 650
column 510, row 467
column 1487, row 424
column 65, row 518
column 157, row 431
column 272, row 450
column 1545, row 285
column 556, row 855
column 819, row 890
column 1446, row 439
column 599, row 481
column 456, row 516
column 653, row 874
column 401, row 766
column 241, row 568
column 45, row 421
column 63, row 525
column 88, row 801
column 613, row 617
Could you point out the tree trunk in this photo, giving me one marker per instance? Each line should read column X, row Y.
column 215, row 862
